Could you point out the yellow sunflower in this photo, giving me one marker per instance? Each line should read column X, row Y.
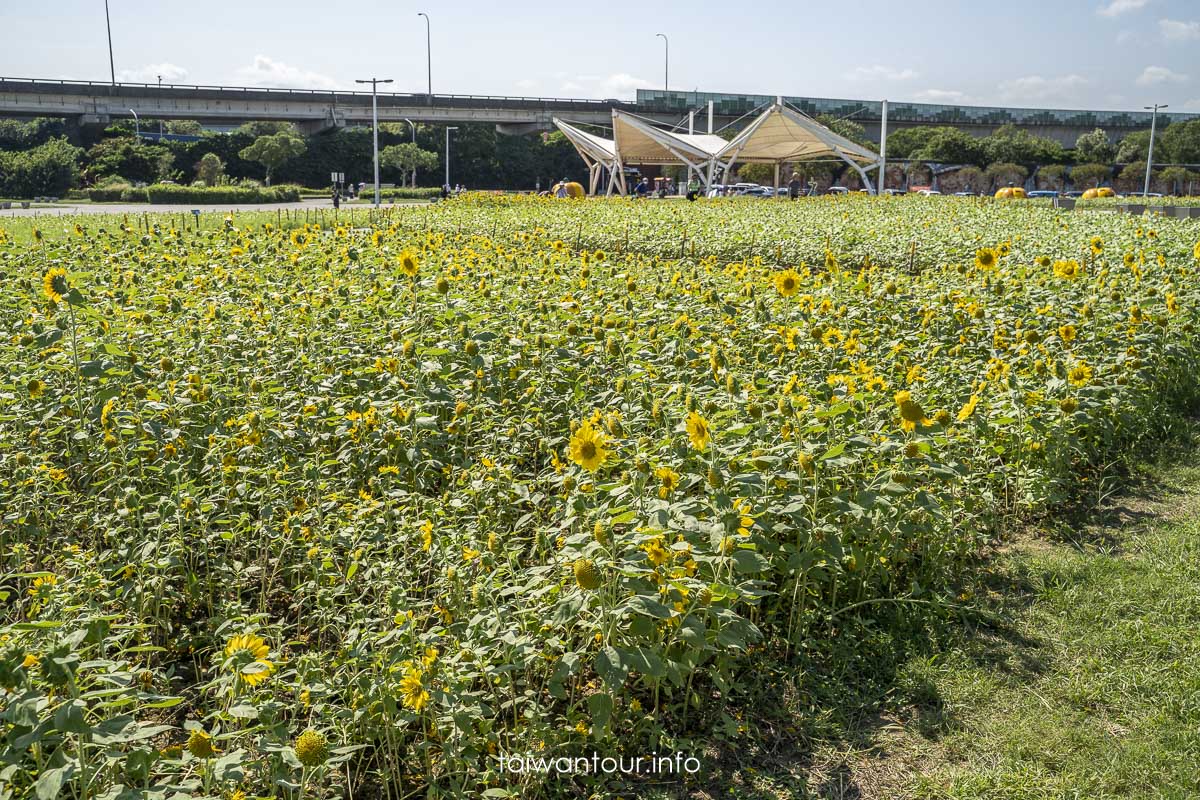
column 409, row 263
column 248, row 655
column 588, row 447
column 1070, row 270
column 1080, row 374
column 668, row 481
column 787, row 282
column 911, row 413
column 985, row 258
column 1097, row 245
column 54, row 284
column 698, row 431
column 412, row 689
column 299, row 239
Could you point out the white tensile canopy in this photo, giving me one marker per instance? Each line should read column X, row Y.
column 777, row 136
column 596, row 151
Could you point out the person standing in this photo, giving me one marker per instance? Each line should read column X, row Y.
column 693, row 189
column 337, row 198
column 794, row 186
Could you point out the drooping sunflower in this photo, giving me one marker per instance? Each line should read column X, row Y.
column 787, row 283
column 588, row 447
column 911, row 413
column 409, row 264
column 668, row 481
column 1043, row 261
column 698, row 431
column 248, row 654
column 985, row 258
column 968, row 409
column 54, row 284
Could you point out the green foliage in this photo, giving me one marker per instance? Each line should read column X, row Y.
column 1180, row 143
column 1090, row 175
column 48, row 169
column 1052, row 176
column 1094, row 147
column 1133, row 147
column 210, row 169
column 757, row 173
column 902, row 143
column 405, row 158
column 274, row 150
column 949, row 145
column 129, row 158
column 849, row 129
column 185, row 126
column 1013, row 145
column 24, row 135
column 174, row 194
column 1006, row 174
column 409, row 193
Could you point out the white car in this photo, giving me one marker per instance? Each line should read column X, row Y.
column 929, row 192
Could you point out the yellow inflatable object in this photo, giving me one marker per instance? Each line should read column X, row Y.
column 574, row 190
column 1010, row 193
column 1103, row 191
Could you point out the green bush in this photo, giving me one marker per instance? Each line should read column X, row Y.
column 48, row 169
column 181, row 195
column 107, row 194
column 403, row 193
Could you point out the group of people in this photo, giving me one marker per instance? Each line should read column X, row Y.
column 448, row 190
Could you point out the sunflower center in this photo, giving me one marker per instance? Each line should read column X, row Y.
column 588, row 450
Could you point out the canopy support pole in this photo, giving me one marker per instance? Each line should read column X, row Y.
column 883, row 147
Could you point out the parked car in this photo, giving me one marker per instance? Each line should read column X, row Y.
column 1076, row 195
column 837, row 190
column 964, row 194
column 929, row 192
column 894, row 192
column 1042, row 193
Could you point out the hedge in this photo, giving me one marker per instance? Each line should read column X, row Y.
column 402, row 193
column 180, row 195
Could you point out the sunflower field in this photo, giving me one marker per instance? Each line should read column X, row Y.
column 355, row 506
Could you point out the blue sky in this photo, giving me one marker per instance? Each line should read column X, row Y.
column 1109, row 54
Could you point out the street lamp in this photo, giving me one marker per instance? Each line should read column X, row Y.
column 1150, row 155
column 375, row 128
column 428, row 57
column 137, row 127
column 111, row 66
column 666, row 62
column 413, row 125
column 160, row 122
column 448, row 129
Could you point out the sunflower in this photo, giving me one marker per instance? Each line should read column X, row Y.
column 586, row 574
column 1129, row 259
column 985, row 258
column 967, row 410
column 787, row 282
column 1080, row 374
column 54, row 284
column 409, row 264
column 200, row 744
column 1070, row 270
column 668, row 481
column 311, row 748
column 698, row 431
column 1096, row 244
column 1004, row 249
column 36, row 388
column 1196, row 251
column 412, row 689
column 1043, row 261
column 1067, row 333
column 588, row 447
column 911, row 413
column 248, row 653
column 377, row 238
column 43, row 586
column 299, row 239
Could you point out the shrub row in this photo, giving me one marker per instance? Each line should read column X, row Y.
column 172, row 194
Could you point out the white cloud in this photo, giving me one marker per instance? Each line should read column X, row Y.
column 1040, row 89
column 269, row 73
column 879, row 72
column 1152, row 76
column 620, row 86
column 949, row 96
column 171, row 73
column 1174, row 30
column 1191, row 105
column 1115, row 8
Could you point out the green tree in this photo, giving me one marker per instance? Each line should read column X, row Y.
column 1013, row 145
column 904, row 142
column 275, row 150
column 848, row 129
column 187, row 127
column 1133, row 147
column 1005, row 173
column 48, row 169
column 407, row 157
column 1089, row 175
column 1176, row 179
column 756, row 173
column 1094, row 147
column 1133, row 177
column 951, row 146
column 129, row 158
column 257, row 128
column 210, row 169
column 970, row 179
column 1180, row 143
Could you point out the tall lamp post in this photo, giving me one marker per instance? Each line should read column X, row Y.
column 448, row 129
column 666, row 62
column 375, row 128
column 1150, row 155
column 112, row 69
column 137, row 125
column 428, row 58
column 413, row 125
column 160, row 122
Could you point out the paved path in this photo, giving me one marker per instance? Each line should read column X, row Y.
column 67, row 209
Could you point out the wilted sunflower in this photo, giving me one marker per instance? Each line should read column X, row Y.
column 967, row 410
column 200, row 744
column 911, row 413
column 787, row 282
column 668, row 481
column 588, row 447
column 248, row 655
column 698, row 431
column 54, row 284
column 311, row 748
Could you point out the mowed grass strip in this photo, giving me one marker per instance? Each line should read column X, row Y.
column 1095, row 692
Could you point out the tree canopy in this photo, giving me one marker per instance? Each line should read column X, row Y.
column 275, row 150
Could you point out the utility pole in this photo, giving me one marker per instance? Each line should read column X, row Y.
column 666, row 62
column 883, row 147
column 412, row 125
column 428, row 57
column 160, row 122
column 448, row 129
column 1150, row 154
column 112, row 69
column 375, row 128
